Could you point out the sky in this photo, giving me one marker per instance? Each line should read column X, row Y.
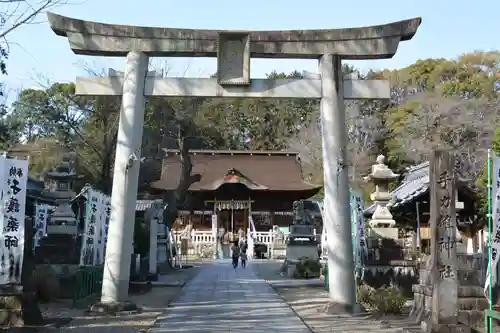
column 449, row 28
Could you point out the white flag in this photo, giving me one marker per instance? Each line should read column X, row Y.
column 14, row 188
column 250, row 237
column 252, row 226
column 40, row 223
column 495, row 245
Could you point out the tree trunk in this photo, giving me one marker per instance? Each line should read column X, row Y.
column 31, row 311
column 178, row 199
column 106, row 177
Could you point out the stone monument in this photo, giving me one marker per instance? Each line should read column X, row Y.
column 382, row 224
column 437, row 296
column 234, row 50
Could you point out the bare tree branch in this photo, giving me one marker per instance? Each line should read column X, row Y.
column 15, row 13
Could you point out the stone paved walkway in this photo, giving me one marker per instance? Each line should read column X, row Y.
column 223, row 299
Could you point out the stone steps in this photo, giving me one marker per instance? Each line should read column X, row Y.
column 471, row 300
column 58, row 249
column 471, row 261
column 471, row 318
column 463, row 291
column 466, row 277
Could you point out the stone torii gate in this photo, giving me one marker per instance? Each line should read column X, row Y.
column 233, row 50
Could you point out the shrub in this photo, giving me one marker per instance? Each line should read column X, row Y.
column 307, row 268
column 386, row 300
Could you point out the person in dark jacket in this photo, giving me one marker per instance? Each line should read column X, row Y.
column 236, row 251
column 244, row 256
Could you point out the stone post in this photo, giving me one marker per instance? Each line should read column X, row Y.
column 444, row 279
column 215, row 234
column 162, row 250
column 336, row 217
column 153, row 245
column 126, row 174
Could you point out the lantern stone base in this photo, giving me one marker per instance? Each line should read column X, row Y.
column 112, row 309
column 427, row 327
column 296, row 251
column 384, row 232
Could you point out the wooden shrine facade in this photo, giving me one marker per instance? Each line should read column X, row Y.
column 235, row 184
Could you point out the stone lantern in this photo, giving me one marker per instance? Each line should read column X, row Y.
column 62, row 221
column 382, row 176
column 61, row 245
column 60, row 189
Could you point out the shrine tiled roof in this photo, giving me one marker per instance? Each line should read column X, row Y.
column 265, row 170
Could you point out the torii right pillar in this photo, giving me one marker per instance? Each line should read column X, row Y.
column 336, row 217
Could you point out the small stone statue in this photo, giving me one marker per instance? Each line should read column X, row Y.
column 303, row 226
column 301, row 216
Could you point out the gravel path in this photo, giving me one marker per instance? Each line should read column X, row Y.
column 308, row 302
column 222, row 298
column 153, row 303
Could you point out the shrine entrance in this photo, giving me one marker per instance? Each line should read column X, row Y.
column 232, row 223
column 233, row 216
column 234, row 50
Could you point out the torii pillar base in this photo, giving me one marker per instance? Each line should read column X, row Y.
column 339, row 309
column 112, row 309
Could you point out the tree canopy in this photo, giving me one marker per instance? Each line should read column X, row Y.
column 434, row 103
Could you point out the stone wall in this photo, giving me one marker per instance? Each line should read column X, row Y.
column 471, row 275
column 401, row 273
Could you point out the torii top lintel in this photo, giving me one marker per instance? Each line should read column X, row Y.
column 101, row 39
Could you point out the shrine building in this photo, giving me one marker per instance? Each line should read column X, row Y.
column 235, row 184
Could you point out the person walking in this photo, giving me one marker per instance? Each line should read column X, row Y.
column 235, row 253
column 244, row 256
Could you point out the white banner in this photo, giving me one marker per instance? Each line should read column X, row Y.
column 2, row 182
column 107, row 214
column 214, row 227
column 251, row 236
column 495, row 245
column 15, row 179
column 100, row 227
column 358, row 229
column 87, row 256
column 496, row 174
column 361, row 237
column 40, row 223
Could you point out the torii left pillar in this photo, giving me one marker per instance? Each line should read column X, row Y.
column 119, row 247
